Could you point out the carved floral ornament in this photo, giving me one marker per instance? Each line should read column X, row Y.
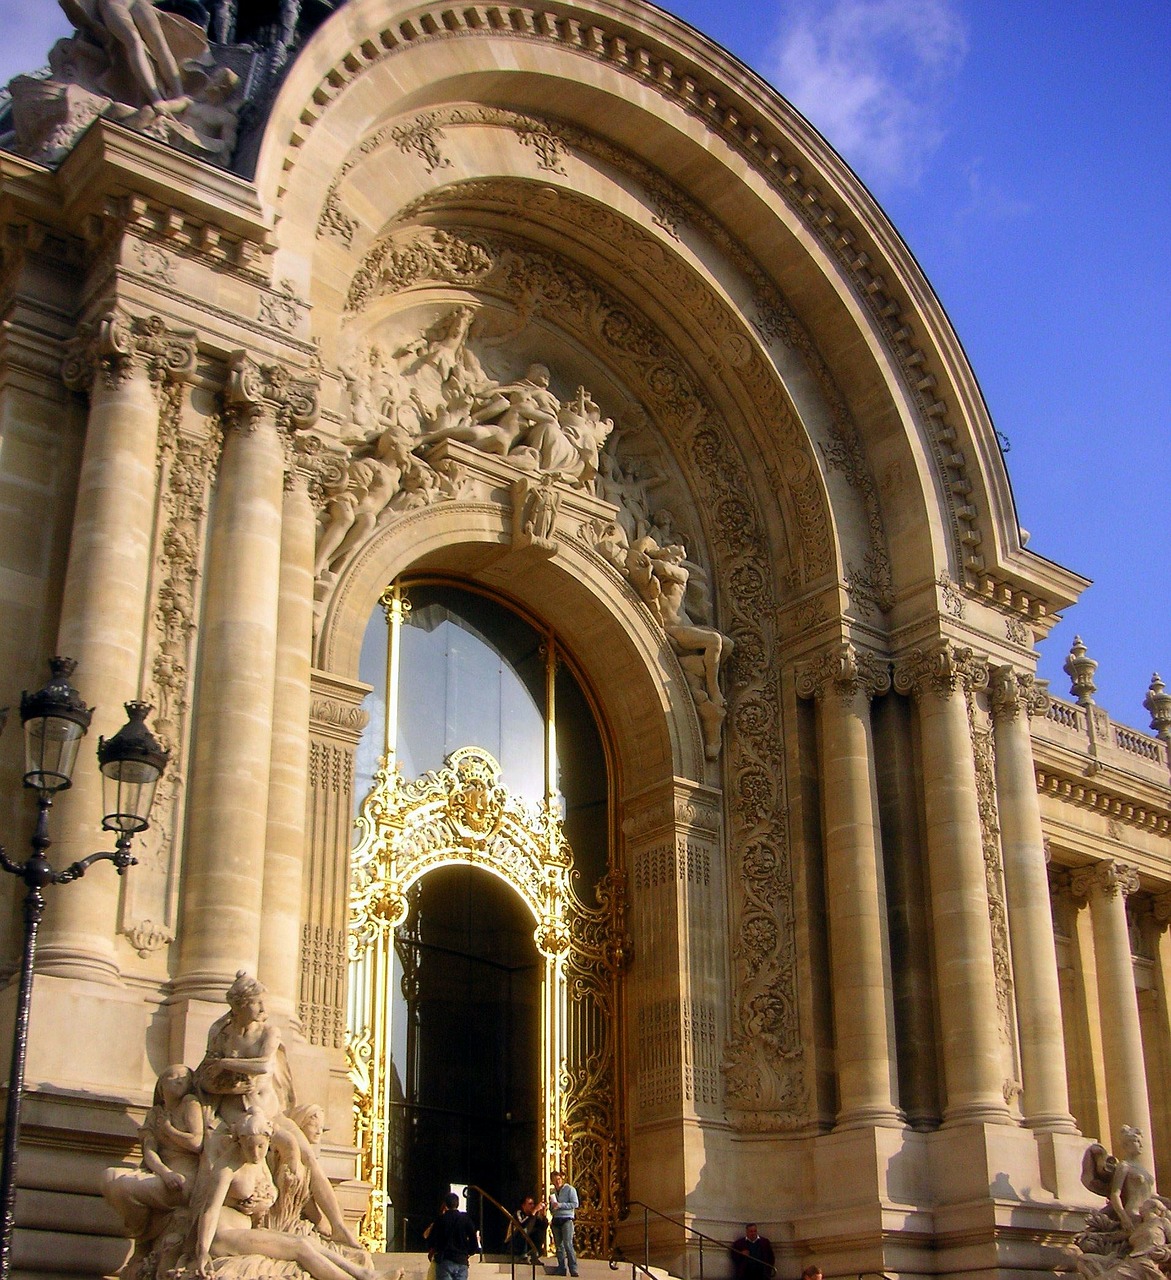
column 258, row 392
column 1010, row 692
column 764, row 1059
column 941, row 669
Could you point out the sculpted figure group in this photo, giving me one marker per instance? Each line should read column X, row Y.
column 1129, row 1238
column 230, row 1184
column 408, row 403
column 148, row 69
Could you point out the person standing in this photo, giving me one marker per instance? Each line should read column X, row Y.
column 563, row 1205
column 752, row 1256
column 452, row 1239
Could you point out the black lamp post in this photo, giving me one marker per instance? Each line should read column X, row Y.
column 55, row 721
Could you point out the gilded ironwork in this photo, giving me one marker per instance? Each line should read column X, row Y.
column 463, row 815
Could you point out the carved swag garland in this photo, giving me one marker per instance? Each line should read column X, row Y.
column 766, row 1085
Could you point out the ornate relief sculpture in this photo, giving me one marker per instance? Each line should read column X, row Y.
column 150, row 70
column 435, row 390
column 1129, row 1238
column 231, row 1185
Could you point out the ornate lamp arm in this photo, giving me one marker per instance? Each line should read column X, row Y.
column 120, row 857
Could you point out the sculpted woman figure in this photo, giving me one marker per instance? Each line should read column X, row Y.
column 235, row 1192
column 245, row 1072
column 172, row 1138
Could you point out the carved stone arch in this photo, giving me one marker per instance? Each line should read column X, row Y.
column 768, row 1085
column 651, row 716
column 470, row 71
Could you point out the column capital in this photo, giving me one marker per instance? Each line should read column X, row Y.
column 940, row 668
column 1161, row 907
column 274, row 392
column 1108, row 878
column 846, row 671
column 117, row 343
column 1010, row 692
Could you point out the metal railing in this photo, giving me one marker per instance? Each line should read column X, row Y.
column 725, row 1246
column 531, row 1255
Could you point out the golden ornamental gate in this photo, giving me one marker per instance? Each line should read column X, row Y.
column 461, row 815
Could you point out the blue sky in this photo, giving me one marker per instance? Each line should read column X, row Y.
column 1023, row 150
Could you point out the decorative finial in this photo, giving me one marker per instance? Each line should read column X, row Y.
column 1080, row 668
column 1158, row 703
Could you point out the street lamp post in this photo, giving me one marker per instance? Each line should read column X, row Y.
column 55, row 720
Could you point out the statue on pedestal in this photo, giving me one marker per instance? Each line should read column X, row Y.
column 231, row 1186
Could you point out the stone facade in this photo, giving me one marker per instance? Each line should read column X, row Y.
column 897, row 917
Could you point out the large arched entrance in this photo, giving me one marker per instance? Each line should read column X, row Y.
column 481, row 1032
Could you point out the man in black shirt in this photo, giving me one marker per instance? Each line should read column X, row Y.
column 526, row 1233
column 452, row 1238
column 752, row 1256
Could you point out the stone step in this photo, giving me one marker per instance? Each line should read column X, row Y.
column 413, row 1266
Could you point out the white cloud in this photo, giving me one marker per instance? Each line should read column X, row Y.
column 873, row 76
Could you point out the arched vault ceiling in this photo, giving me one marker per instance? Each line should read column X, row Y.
column 644, row 82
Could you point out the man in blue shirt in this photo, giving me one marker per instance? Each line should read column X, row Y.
column 563, row 1205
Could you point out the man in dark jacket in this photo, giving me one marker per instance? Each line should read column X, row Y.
column 451, row 1240
column 752, row 1256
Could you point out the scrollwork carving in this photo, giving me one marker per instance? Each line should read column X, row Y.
column 1010, row 692
column 941, row 669
column 846, row 671
column 256, row 392
column 1109, row 878
column 116, row 344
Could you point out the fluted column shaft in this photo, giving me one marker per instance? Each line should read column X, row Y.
column 969, row 1018
column 220, row 920
column 1045, row 1101
column 280, row 930
column 104, row 611
column 1106, row 885
column 863, row 1005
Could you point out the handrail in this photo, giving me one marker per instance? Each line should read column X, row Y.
column 531, row 1252
column 678, row 1222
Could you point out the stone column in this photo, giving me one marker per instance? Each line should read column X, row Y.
column 939, row 678
column 1106, row 886
column 280, row 927
column 1045, row 1102
column 220, row 922
column 843, row 682
column 122, row 362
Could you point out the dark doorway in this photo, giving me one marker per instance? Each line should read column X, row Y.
column 471, row 1099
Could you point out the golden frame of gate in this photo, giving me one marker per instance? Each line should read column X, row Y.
column 461, row 815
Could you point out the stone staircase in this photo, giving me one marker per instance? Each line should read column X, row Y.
column 413, row 1266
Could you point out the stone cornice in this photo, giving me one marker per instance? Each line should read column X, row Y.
column 1076, row 790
